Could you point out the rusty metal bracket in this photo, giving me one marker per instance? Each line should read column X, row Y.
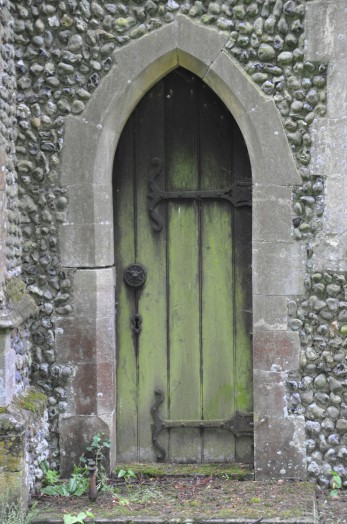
column 238, row 194
column 240, row 424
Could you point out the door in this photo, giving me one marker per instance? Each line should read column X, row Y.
column 182, row 217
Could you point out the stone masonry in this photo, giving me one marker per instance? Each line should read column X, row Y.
column 280, row 67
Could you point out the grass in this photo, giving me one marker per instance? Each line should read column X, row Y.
column 14, row 513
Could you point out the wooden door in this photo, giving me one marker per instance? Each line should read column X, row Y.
column 182, row 219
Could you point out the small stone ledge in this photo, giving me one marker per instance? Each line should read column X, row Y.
column 21, row 411
column 15, row 419
column 19, row 305
column 21, row 310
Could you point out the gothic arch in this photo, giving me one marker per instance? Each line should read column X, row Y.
column 86, row 238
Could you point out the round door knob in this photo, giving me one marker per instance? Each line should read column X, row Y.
column 135, row 275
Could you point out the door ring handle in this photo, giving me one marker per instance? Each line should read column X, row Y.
column 135, row 275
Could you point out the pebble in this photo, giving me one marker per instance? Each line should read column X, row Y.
column 266, row 52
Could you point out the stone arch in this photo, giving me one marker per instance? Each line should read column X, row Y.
column 86, row 238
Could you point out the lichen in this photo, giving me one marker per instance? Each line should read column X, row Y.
column 15, row 290
column 33, row 401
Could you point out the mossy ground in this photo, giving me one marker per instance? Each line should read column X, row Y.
column 189, row 496
column 231, row 471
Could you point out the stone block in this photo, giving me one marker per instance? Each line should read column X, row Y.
column 329, row 152
column 113, row 102
column 86, row 245
column 76, row 434
column 13, row 468
column 25, row 412
column 7, row 369
column 227, row 78
column 269, row 392
column 319, row 30
column 85, row 340
column 89, row 204
column 272, row 160
column 280, row 448
column 272, row 213
column 136, row 69
column 197, row 46
column 92, row 388
column 329, row 160
column 3, row 159
column 271, row 157
column 105, row 387
column 94, row 280
column 94, row 294
column 94, row 305
column 84, row 388
column 270, row 313
column 88, row 153
column 337, row 82
column 133, row 60
column 276, row 350
column 339, row 27
column 278, row 268
column 3, row 258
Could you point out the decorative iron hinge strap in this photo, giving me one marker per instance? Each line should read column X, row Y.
column 238, row 194
column 240, row 424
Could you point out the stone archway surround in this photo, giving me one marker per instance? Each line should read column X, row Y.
column 86, row 239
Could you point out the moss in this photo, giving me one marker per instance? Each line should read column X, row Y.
column 33, row 401
column 11, row 454
column 3, row 410
column 231, row 471
column 15, row 289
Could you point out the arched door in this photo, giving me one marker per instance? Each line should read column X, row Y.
column 182, row 215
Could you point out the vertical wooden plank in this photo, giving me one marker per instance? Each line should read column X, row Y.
column 126, row 400
column 217, row 277
column 151, row 252
column 183, row 253
column 243, row 297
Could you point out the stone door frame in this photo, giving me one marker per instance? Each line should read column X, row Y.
column 86, row 239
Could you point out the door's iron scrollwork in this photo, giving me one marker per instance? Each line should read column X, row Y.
column 238, row 194
column 240, row 424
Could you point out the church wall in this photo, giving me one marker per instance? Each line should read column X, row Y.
column 62, row 52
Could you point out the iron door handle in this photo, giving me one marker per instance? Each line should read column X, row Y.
column 135, row 276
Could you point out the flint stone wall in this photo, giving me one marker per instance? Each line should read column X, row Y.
column 62, row 52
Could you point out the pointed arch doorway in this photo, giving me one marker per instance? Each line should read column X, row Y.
column 182, row 217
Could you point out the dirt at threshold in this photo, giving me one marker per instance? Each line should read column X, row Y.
column 183, row 497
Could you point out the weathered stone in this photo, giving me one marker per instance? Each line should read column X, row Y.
column 275, row 350
column 341, row 425
column 266, row 52
column 285, row 58
column 333, row 290
column 320, row 381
